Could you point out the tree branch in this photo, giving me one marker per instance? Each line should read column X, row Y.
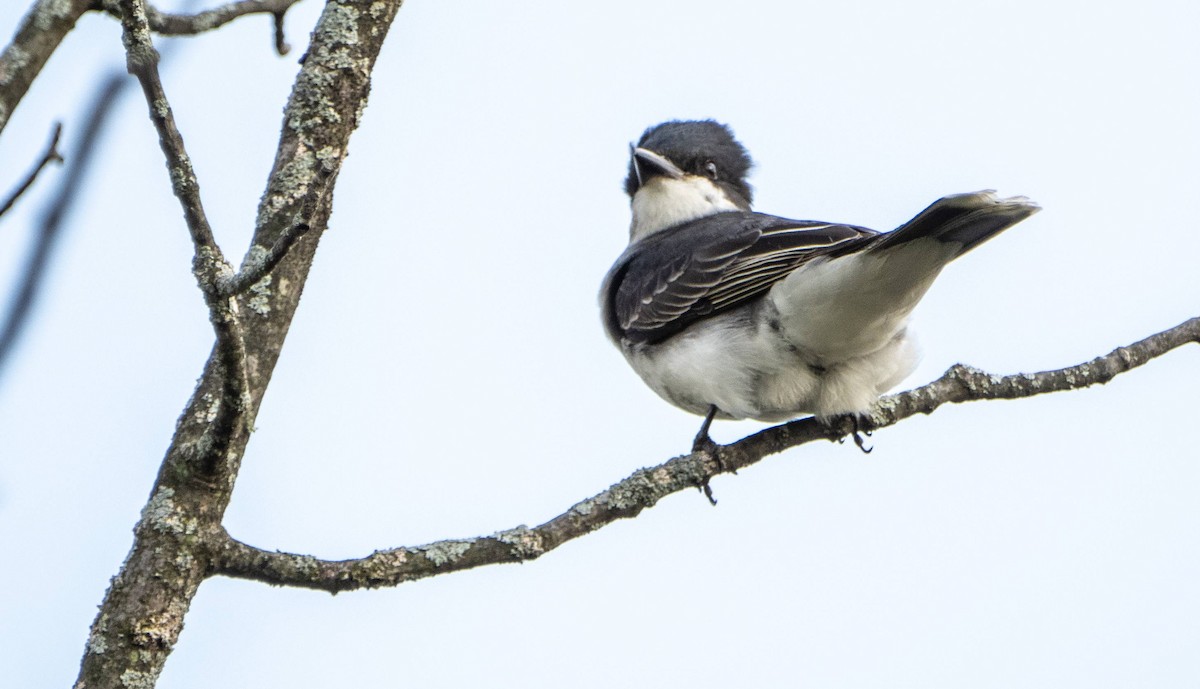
column 191, row 24
column 141, row 59
column 260, row 262
column 41, row 31
column 142, row 614
column 645, row 487
column 20, row 306
column 209, row 264
column 50, row 156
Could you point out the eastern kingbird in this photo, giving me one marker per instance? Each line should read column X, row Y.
column 730, row 313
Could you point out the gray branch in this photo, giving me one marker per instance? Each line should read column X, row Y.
column 142, row 613
column 49, row 21
column 227, row 411
column 259, row 263
column 646, row 487
column 168, row 24
column 141, row 59
column 40, row 33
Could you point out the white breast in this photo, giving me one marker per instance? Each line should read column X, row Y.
column 664, row 202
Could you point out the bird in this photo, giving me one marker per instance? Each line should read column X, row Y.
column 730, row 313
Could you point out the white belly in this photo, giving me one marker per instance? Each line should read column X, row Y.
column 751, row 371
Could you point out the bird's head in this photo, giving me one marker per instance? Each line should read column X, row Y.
column 682, row 170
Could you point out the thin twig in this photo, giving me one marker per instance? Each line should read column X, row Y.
column 50, row 225
column 168, row 24
column 281, row 44
column 20, row 305
column 260, row 262
column 142, row 62
column 50, row 156
column 646, row 487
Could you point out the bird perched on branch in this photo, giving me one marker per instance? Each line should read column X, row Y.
column 725, row 312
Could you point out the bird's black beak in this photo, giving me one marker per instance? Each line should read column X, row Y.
column 647, row 163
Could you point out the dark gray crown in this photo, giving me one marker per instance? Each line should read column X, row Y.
column 692, row 145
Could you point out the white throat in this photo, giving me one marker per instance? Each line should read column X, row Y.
column 664, row 202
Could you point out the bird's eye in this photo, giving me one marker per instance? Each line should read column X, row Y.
column 711, row 168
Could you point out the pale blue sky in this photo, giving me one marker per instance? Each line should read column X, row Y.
column 447, row 376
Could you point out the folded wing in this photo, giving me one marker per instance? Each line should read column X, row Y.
column 683, row 274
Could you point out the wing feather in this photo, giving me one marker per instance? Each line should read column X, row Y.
column 680, row 275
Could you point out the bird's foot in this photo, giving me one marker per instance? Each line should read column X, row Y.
column 706, row 445
column 708, row 492
column 856, row 432
column 703, row 443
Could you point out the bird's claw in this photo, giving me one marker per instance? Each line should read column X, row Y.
column 708, row 493
column 862, row 444
column 856, row 433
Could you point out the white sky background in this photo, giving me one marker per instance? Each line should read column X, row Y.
column 447, row 375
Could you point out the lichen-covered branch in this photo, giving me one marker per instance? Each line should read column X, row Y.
column 190, row 24
column 40, row 33
column 261, row 262
column 227, row 413
column 49, row 21
column 142, row 61
column 647, row 486
column 623, row 500
column 142, row 613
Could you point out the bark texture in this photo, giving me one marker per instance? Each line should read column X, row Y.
column 42, row 30
column 143, row 611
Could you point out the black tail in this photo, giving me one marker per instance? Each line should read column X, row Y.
column 967, row 219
